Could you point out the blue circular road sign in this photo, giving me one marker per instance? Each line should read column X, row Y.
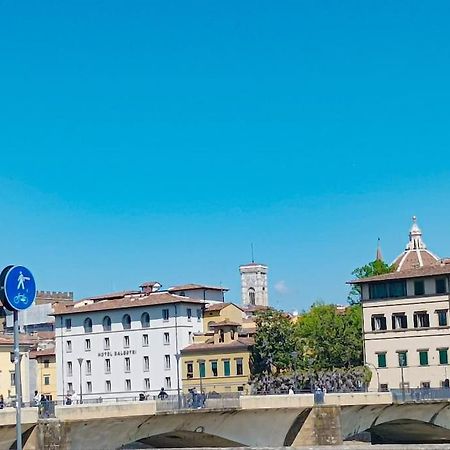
column 18, row 288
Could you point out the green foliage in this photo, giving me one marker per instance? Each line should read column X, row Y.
column 330, row 338
column 374, row 268
column 274, row 343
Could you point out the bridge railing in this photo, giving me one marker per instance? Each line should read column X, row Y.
column 420, row 395
column 198, row 401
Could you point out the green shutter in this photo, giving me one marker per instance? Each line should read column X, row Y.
column 423, row 358
column 443, row 356
column 226, row 368
column 202, row 369
column 381, row 359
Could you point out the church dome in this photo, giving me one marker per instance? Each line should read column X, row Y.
column 416, row 254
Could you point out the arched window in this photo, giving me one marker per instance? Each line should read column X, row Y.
column 221, row 336
column 126, row 322
column 106, row 323
column 210, row 325
column 251, row 296
column 145, row 320
column 87, row 325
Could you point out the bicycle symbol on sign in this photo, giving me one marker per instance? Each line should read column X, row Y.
column 20, row 298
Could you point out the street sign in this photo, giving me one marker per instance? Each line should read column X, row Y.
column 17, row 288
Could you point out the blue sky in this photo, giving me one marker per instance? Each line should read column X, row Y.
column 156, row 140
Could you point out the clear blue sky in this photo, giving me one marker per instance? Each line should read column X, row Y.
column 156, row 140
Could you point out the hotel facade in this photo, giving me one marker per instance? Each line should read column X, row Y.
column 120, row 345
column 406, row 320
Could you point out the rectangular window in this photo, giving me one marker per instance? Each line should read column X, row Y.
column 165, row 314
column 226, row 368
column 442, row 317
column 145, row 340
column 378, row 322
column 146, row 364
column 419, row 287
column 166, row 361
column 147, row 384
column 443, row 355
column 397, row 289
column 68, row 324
column 88, row 367
column 402, row 359
column 239, row 367
column 46, row 380
column 70, row 388
column 46, row 363
column 106, row 344
column 214, row 368
column 421, row 319
column 166, row 339
column 168, row 383
column 128, row 385
column 89, row 386
column 399, row 321
column 384, row 387
column 108, row 385
column 202, row 369
column 381, row 359
column 69, row 368
column 199, row 315
column 423, row 357
column 189, row 314
column 189, row 370
column 87, row 345
column 126, row 342
column 127, row 365
column 441, row 286
column 378, row 290
column 107, row 366
column 425, row 384
column 68, row 346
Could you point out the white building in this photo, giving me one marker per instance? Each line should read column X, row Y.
column 254, row 290
column 127, row 343
column 406, row 323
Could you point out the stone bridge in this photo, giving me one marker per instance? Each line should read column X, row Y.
column 258, row 421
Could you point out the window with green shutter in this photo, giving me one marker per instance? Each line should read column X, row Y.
column 226, row 368
column 423, row 358
column 443, row 356
column 201, row 367
column 381, row 359
column 402, row 359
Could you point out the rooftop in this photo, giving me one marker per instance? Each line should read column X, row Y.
column 105, row 303
column 241, row 343
column 220, row 306
column 193, row 287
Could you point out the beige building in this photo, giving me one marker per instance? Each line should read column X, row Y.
column 406, row 323
column 45, row 372
column 219, row 359
column 7, row 369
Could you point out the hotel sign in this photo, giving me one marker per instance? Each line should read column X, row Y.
column 116, row 353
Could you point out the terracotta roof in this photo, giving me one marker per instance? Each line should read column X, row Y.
column 219, row 306
column 46, row 352
column 241, row 343
column 157, row 298
column 8, row 339
column 45, row 335
column 251, row 308
column 428, row 271
column 225, row 323
column 193, row 287
column 413, row 259
column 112, row 295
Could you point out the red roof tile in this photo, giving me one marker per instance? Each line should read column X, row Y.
column 241, row 343
column 193, row 287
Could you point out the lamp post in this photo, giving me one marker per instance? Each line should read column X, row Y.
column 370, row 365
column 200, row 374
column 177, row 357
column 402, row 362
column 80, row 362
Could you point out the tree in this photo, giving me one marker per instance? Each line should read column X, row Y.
column 377, row 267
column 274, row 347
column 331, row 338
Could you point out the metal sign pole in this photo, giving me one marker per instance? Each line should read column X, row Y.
column 17, row 383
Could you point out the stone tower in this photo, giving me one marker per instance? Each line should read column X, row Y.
column 254, row 284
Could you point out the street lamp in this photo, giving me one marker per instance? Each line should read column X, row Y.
column 200, row 374
column 177, row 357
column 80, row 362
column 402, row 362
column 377, row 373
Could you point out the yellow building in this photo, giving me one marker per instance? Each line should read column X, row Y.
column 7, row 369
column 219, row 312
column 45, row 372
column 220, row 362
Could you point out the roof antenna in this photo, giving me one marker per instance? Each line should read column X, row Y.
column 253, row 257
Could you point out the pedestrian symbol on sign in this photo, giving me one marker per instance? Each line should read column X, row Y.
column 21, row 281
